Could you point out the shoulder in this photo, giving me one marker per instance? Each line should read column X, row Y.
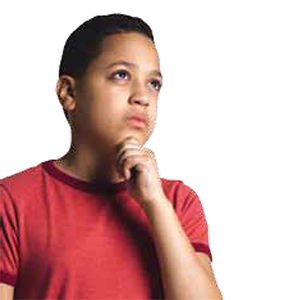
column 21, row 175
column 178, row 192
column 19, row 185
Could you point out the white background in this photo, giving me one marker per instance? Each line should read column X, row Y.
column 228, row 120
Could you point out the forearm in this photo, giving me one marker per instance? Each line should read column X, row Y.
column 182, row 274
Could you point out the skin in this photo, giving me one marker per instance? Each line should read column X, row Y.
column 102, row 140
column 100, row 103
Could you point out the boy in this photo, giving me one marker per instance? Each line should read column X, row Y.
column 99, row 223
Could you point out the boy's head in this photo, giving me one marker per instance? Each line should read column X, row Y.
column 97, row 99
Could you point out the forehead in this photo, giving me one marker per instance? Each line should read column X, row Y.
column 128, row 39
column 131, row 47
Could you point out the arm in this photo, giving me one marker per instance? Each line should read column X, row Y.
column 185, row 274
column 6, row 292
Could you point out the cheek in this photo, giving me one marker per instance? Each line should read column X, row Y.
column 106, row 101
column 153, row 116
column 108, row 113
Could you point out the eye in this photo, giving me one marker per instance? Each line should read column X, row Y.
column 159, row 84
column 120, row 72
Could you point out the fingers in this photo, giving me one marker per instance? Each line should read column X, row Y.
column 124, row 149
column 128, row 142
column 127, row 148
column 122, row 164
column 128, row 159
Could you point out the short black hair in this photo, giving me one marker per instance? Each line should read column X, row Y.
column 84, row 43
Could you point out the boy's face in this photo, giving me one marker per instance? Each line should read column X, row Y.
column 105, row 99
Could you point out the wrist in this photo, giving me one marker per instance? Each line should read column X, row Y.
column 160, row 203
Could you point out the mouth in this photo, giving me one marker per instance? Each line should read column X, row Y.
column 140, row 123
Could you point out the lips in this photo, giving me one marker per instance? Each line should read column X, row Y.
column 137, row 123
column 138, row 117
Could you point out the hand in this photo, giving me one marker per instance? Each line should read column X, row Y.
column 139, row 167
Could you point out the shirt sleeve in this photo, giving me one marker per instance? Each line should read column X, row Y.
column 191, row 215
column 9, row 242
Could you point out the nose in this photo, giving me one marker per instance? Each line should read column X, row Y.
column 139, row 94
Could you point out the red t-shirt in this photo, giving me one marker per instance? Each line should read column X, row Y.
column 64, row 238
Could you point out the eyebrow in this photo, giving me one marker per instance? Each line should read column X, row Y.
column 130, row 64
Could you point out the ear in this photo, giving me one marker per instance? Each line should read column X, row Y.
column 65, row 90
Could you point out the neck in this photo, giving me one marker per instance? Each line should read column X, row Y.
column 86, row 165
